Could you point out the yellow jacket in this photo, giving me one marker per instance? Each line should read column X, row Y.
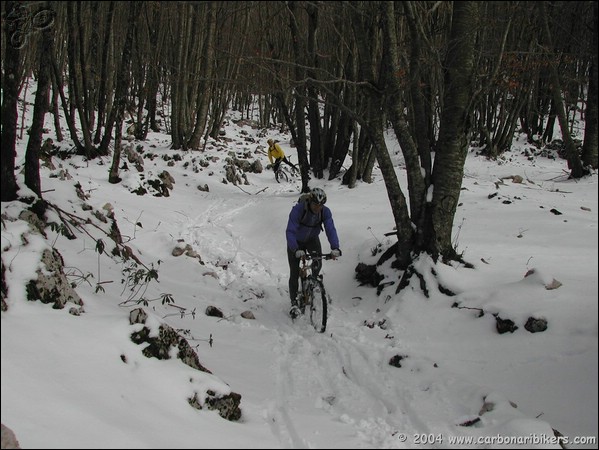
column 275, row 152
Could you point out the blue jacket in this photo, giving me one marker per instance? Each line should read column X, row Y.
column 310, row 226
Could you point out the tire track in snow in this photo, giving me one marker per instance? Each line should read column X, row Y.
column 211, row 234
column 281, row 411
column 344, row 378
column 337, row 378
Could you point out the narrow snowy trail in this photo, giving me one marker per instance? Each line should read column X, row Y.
column 333, row 377
column 340, row 381
column 341, row 377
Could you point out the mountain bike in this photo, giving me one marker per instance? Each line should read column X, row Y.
column 312, row 298
column 284, row 173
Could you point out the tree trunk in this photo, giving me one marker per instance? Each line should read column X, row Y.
column 550, row 127
column 574, row 162
column 420, row 121
column 77, row 78
column 153, row 72
column 102, row 97
column 397, row 200
column 207, row 68
column 343, row 139
column 84, row 64
column 113, row 174
column 58, row 83
column 316, row 153
column 10, row 95
column 32, row 155
column 417, row 182
column 55, row 109
column 449, row 163
column 376, row 122
column 179, row 79
column 300, row 102
column 120, row 98
column 589, row 147
column 330, row 125
column 352, row 174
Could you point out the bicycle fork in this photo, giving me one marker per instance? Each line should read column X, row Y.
column 307, row 285
column 304, row 294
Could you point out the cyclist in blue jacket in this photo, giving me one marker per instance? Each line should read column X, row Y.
column 306, row 220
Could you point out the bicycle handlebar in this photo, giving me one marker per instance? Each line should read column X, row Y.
column 316, row 255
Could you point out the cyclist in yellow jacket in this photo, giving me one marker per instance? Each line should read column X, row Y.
column 276, row 156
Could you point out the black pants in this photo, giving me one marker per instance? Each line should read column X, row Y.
column 312, row 245
column 278, row 162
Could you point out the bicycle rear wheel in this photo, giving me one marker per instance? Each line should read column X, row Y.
column 317, row 305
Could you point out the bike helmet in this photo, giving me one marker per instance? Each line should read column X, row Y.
column 317, row 195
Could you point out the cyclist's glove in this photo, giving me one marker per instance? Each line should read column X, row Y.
column 335, row 253
column 300, row 254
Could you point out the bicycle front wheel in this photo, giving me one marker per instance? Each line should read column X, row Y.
column 318, row 306
column 282, row 176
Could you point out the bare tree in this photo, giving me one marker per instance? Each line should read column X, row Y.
column 32, row 154
column 453, row 142
column 589, row 147
column 351, row 68
column 120, row 100
column 78, row 88
column 316, row 150
column 205, row 75
column 574, row 162
column 10, row 94
column 300, row 96
column 420, row 123
column 428, row 227
column 105, row 76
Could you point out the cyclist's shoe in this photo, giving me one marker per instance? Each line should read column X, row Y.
column 294, row 312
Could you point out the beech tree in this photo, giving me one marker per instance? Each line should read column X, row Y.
column 591, row 132
column 337, row 76
column 11, row 76
column 34, row 144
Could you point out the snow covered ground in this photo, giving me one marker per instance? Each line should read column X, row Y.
column 65, row 384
